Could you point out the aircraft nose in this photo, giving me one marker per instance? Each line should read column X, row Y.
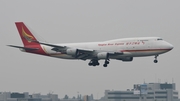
column 170, row 46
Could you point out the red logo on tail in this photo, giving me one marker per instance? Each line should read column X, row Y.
column 28, row 37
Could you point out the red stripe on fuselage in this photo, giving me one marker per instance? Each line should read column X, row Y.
column 145, row 50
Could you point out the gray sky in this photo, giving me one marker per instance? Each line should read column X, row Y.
column 71, row 21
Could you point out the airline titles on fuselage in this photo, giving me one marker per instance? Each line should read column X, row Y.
column 122, row 43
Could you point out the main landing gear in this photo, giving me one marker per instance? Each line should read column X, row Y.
column 156, row 61
column 106, row 63
column 96, row 63
column 93, row 63
column 106, row 60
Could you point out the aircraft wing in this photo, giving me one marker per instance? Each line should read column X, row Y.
column 79, row 53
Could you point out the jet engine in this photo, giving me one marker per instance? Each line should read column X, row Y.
column 102, row 55
column 72, row 52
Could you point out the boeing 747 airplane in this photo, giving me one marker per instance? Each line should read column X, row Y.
column 124, row 49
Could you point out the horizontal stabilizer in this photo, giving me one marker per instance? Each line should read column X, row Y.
column 26, row 48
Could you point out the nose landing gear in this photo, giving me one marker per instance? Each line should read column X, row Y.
column 156, row 61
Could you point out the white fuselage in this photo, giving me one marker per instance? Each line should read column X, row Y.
column 131, row 47
column 124, row 49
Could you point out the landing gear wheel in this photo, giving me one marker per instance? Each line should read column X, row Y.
column 105, row 65
column 93, row 63
column 155, row 61
column 90, row 64
column 106, row 62
column 97, row 64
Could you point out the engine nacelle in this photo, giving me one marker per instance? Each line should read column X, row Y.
column 127, row 59
column 102, row 55
column 72, row 52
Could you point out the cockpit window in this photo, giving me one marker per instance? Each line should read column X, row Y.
column 159, row 39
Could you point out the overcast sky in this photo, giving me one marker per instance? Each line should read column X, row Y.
column 71, row 21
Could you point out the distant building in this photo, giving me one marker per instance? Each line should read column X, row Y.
column 144, row 92
column 85, row 98
column 88, row 98
column 8, row 96
column 4, row 96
